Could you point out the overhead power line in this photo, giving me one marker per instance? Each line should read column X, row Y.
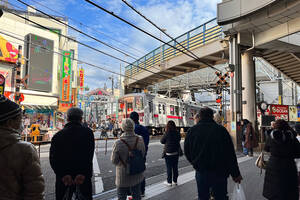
column 88, row 46
column 77, row 30
column 147, row 33
column 91, row 28
column 74, row 59
column 164, row 32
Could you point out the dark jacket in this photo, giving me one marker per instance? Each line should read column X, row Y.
column 142, row 131
column 251, row 140
column 72, row 151
column 281, row 179
column 171, row 140
column 208, row 147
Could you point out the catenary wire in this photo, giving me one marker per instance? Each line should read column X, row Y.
column 77, row 30
column 147, row 33
column 74, row 59
column 91, row 28
column 88, row 46
column 169, row 36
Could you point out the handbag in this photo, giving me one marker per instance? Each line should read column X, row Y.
column 260, row 162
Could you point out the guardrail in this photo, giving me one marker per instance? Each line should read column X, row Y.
column 193, row 39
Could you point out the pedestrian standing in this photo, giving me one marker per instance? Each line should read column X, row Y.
column 125, row 182
column 21, row 175
column 71, row 156
column 209, row 148
column 171, row 140
column 142, row 131
column 281, row 178
column 251, row 140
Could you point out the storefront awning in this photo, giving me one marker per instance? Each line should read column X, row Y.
column 39, row 107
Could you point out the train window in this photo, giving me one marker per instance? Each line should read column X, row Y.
column 150, row 106
column 129, row 106
column 139, row 103
column 176, row 110
column 172, row 110
column 159, row 108
column 164, row 108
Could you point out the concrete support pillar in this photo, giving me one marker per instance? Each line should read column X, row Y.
column 248, row 83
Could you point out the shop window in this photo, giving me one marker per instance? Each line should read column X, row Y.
column 150, row 106
column 172, row 110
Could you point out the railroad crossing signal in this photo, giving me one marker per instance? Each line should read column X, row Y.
column 222, row 79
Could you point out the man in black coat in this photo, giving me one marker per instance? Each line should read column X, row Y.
column 71, row 156
column 209, row 148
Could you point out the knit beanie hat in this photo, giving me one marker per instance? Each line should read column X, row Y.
column 134, row 116
column 8, row 109
column 128, row 125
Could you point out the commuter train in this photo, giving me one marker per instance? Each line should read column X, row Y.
column 156, row 110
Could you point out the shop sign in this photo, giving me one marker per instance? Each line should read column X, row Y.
column 8, row 53
column 2, row 84
column 280, row 112
column 293, row 113
column 81, row 79
column 66, row 77
column 64, row 107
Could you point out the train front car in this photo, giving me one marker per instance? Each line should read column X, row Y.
column 133, row 102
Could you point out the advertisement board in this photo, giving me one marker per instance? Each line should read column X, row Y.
column 280, row 112
column 8, row 53
column 39, row 51
column 293, row 113
column 6, row 71
column 66, row 74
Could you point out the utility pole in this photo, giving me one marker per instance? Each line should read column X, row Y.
column 296, row 94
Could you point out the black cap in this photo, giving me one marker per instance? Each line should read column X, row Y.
column 8, row 109
column 134, row 116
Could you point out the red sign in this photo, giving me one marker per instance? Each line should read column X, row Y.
column 280, row 112
column 81, row 78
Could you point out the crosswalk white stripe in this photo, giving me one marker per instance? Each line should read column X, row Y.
column 159, row 188
column 98, row 179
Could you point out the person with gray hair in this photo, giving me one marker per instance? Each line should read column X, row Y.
column 71, row 156
column 124, row 181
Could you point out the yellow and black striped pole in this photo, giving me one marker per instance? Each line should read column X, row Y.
column 18, row 75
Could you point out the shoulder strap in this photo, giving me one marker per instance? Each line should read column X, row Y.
column 129, row 148
column 136, row 142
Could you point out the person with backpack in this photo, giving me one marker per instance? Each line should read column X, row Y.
column 172, row 151
column 127, row 154
column 142, row 131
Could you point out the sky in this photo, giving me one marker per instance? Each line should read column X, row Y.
column 176, row 16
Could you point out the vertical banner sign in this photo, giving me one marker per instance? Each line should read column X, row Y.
column 2, row 84
column 81, row 79
column 66, row 77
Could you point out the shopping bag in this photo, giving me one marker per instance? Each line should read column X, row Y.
column 78, row 195
column 238, row 193
column 68, row 194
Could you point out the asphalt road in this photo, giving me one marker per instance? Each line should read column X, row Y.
column 155, row 165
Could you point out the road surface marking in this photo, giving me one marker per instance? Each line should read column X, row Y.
column 160, row 187
column 98, row 179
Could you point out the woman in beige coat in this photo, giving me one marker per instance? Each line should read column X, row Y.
column 21, row 175
column 120, row 153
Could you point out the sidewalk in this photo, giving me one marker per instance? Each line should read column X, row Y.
column 187, row 189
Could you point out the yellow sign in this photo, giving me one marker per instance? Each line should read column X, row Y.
column 8, row 53
column 293, row 113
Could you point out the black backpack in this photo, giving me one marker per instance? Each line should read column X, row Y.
column 135, row 163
